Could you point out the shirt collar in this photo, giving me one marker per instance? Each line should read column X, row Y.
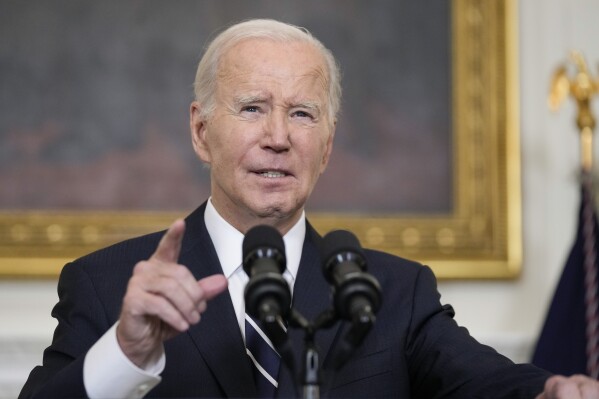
column 228, row 241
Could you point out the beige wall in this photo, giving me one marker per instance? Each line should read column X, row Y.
column 508, row 314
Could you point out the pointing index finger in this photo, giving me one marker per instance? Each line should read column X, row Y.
column 170, row 245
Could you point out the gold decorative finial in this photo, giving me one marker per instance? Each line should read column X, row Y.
column 582, row 87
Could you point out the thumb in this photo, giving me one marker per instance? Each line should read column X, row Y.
column 170, row 245
column 213, row 285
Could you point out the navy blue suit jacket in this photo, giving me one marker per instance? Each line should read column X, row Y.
column 415, row 349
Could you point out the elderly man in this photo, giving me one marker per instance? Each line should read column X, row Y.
column 134, row 319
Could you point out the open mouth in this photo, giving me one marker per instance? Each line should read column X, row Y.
column 272, row 174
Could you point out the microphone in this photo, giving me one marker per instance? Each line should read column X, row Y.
column 267, row 294
column 356, row 293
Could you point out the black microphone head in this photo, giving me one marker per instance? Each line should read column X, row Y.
column 268, row 241
column 356, row 292
column 341, row 242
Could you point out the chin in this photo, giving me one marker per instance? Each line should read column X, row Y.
column 276, row 205
column 275, row 210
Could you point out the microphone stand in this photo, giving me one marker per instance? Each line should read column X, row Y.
column 310, row 375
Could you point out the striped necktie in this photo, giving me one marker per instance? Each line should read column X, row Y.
column 264, row 358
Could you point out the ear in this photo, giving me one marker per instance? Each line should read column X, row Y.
column 198, row 127
column 328, row 149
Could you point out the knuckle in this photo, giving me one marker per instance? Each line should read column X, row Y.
column 142, row 266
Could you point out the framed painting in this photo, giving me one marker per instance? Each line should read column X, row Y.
column 95, row 148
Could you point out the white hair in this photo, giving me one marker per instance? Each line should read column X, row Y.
column 205, row 81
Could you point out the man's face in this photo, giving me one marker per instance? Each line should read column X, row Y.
column 269, row 137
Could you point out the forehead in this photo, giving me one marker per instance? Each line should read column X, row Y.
column 255, row 62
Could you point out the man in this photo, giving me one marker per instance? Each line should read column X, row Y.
column 267, row 96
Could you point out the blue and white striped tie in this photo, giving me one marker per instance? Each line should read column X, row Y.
column 265, row 359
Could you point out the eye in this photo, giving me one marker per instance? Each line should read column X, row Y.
column 250, row 108
column 302, row 114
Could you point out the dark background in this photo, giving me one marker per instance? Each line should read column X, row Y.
column 94, row 101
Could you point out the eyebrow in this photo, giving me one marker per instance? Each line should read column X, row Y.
column 314, row 106
column 311, row 105
column 251, row 99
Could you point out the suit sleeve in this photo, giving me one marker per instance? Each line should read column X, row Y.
column 82, row 321
column 446, row 362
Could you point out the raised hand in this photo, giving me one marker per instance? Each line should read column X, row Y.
column 162, row 300
column 574, row 387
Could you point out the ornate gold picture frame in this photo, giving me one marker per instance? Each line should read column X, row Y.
column 479, row 238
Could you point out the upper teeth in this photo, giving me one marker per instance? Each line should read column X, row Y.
column 272, row 174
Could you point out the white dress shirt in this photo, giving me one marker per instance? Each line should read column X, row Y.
column 107, row 372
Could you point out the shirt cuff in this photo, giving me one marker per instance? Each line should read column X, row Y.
column 108, row 373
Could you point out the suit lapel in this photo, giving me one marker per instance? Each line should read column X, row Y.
column 217, row 336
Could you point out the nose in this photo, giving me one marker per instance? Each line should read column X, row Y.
column 276, row 132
